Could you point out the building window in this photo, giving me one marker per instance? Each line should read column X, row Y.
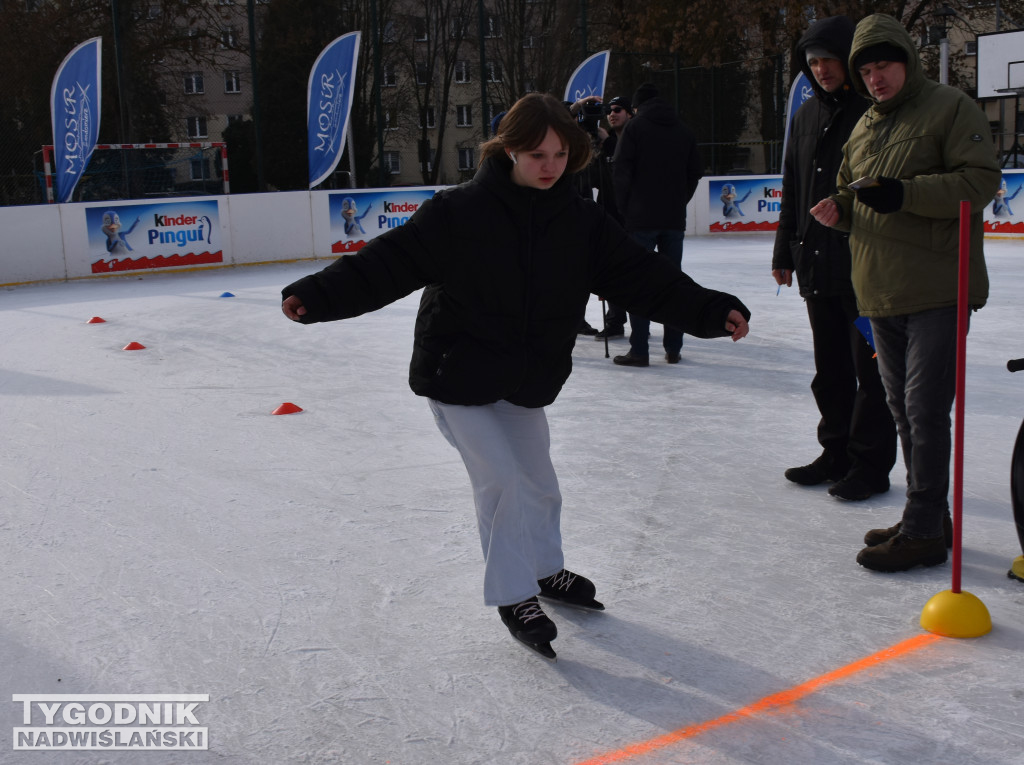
column 422, row 73
column 199, row 169
column 428, row 117
column 460, row 28
column 464, row 115
column 229, row 37
column 388, row 34
column 232, row 82
column 971, row 48
column 390, row 121
column 195, row 127
column 466, row 159
column 389, row 75
column 490, row 110
column 492, row 26
column 462, row 71
column 429, row 153
column 494, row 71
column 233, row 118
column 191, row 44
column 194, row 82
column 393, row 162
column 419, row 30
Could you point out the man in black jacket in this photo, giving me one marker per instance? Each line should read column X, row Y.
column 856, row 430
column 655, row 172
column 620, row 112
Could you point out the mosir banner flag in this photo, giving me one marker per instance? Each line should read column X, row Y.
column 589, row 77
column 75, row 113
column 329, row 102
column 800, row 92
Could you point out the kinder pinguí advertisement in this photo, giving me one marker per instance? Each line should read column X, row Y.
column 130, row 237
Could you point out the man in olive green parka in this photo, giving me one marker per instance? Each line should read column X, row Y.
column 917, row 152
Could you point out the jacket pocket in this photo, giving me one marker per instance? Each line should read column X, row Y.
column 469, row 372
column 796, row 249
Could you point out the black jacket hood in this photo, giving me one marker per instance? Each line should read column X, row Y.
column 834, row 34
column 658, row 110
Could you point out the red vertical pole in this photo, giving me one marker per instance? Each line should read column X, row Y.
column 963, row 314
column 48, row 172
column 224, row 167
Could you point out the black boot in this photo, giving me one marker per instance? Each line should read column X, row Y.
column 629, row 360
column 902, row 553
column 610, row 332
column 821, row 470
column 854, row 488
column 880, row 536
column 572, row 589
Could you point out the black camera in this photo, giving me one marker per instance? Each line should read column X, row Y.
column 590, row 115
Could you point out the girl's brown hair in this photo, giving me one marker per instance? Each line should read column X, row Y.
column 526, row 124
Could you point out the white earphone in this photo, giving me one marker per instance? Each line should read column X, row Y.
column 512, row 156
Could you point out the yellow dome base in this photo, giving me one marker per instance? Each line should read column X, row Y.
column 956, row 614
column 1017, row 569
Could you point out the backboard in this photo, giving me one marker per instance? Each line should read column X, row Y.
column 1001, row 64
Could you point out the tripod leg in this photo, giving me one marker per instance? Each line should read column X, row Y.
column 604, row 324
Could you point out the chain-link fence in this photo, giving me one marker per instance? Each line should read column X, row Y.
column 21, row 176
column 736, row 110
column 141, row 171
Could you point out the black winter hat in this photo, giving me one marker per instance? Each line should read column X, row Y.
column 623, row 102
column 644, row 92
column 881, row 52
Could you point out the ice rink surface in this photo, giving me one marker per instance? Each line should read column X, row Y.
column 319, row 574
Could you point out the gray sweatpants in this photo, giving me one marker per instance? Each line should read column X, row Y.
column 506, row 450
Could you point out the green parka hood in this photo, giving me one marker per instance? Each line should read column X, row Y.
column 882, row 28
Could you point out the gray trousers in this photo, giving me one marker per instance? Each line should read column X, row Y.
column 917, row 361
column 506, row 450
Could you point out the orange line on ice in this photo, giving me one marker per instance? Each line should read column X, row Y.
column 774, row 701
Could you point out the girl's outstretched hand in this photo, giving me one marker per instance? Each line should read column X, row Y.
column 292, row 308
column 736, row 325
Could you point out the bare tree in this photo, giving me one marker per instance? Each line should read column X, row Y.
column 538, row 48
column 431, row 37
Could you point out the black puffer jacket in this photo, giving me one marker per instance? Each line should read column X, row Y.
column 820, row 256
column 507, row 273
column 656, row 168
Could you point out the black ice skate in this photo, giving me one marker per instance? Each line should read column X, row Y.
column 571, row 589
column 530, row 626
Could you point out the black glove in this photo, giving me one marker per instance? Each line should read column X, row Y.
column 886, row 197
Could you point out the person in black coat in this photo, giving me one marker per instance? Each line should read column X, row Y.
column 655, row 170
column 507, row 262
column 856, row 431
column 620, row 112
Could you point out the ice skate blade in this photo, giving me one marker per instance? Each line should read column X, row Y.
column 590, row 605
column 544, row 649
